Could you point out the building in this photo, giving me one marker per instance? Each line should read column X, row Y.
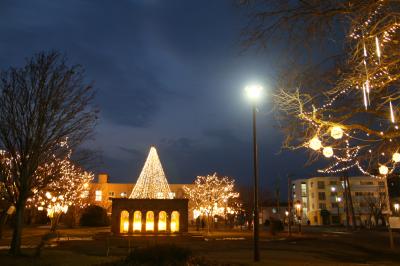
column 321, row 201
column 102, row 191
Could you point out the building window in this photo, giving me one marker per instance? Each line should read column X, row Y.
column 98, row 195
column 312, row 206
column 123, row 194
column 334, row 194
column 311, row 184
column 321, row 196
column 381, row 183
column 322, row 206
column 111, row 193
column 333, row 183
column 303, row 189
column 321, row 184
column 335, row 205
column 315, row 219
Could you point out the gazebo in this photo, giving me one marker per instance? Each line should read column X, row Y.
column 151, row 207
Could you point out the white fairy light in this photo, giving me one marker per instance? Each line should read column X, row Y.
column 378, row 49
column 391, row 112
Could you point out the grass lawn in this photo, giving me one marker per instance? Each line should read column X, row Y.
column 90, row 246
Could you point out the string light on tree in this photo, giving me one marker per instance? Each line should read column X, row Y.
column 212, row 195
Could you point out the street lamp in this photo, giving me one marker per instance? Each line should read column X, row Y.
column 396, row 207
column 254, row 93
column 298, row 211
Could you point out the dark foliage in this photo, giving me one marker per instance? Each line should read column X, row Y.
column 94, row 216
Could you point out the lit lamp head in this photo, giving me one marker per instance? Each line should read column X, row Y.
column 383, row 170
column 254, row 92
column 333, row 189
column 286, row 213
column 315, row 143
column 339, row 199
column 298, row 206
column 396, row 207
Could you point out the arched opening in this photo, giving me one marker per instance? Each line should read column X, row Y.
column 124, row 223
column 150, row 221
column 175, row 221
column 162, row 221
column 137, row 221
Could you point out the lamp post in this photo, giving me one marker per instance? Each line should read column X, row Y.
column 338, row 200
column 254, row 92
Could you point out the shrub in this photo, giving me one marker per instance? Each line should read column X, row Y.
column 163, row 255
column 276, row 226
column 94, row 216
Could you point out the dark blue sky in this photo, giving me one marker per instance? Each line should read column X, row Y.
column 169, row 74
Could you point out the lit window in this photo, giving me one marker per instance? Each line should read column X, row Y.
column 162, row 221
column 124, row 227
column 150, row 221
column 174, row 221
column 171, row 195
column 137, row 221
column 98, row 195
column 123, row 195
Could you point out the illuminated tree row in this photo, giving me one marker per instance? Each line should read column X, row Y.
column 212, row 195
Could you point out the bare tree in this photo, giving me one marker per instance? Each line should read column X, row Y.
column 42, row 105
column 348, row 108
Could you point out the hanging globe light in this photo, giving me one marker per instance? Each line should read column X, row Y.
column 383, row 170
column 315, row 143
column 327, row 152
column 396, row 157
column 336, row 132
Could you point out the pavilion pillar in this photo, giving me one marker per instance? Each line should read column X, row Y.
column 144, row 221
column 169, row 222
column 130, row 227
column 156, row 221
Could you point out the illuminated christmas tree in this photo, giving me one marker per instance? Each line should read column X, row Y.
column 152, row 183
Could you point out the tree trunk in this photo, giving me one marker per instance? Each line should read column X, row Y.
column 17, row 231
column 54, row 221
column 3, row 220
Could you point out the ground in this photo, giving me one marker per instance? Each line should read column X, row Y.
column 315, row 246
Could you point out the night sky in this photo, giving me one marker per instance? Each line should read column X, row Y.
column 167, row 73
